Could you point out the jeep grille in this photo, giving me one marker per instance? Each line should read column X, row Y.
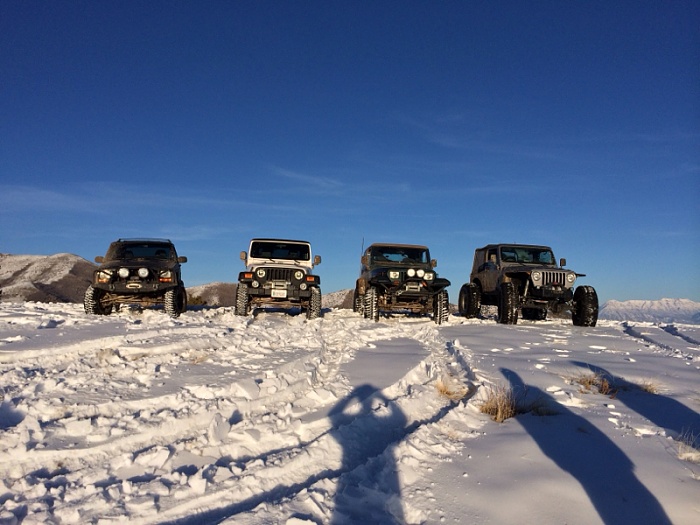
column 553, row 278
column 279, row 274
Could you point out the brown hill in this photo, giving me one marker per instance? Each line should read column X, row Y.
column 61, row 278
column 212, row 294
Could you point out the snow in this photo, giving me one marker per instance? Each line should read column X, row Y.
column 215, row 418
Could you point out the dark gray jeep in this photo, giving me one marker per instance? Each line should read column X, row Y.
column 525, row 277
column 400, row 278
column 144, row 272
column 279, row 274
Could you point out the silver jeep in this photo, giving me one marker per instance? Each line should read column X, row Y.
column 526, row 278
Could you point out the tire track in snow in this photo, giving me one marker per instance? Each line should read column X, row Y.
column 345, row 444
column 236, row 420
column 672, row 343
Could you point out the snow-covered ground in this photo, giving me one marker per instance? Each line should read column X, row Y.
column 213, row 418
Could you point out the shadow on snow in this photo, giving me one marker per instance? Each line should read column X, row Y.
column 602, row 469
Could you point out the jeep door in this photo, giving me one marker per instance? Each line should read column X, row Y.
column 487, row 271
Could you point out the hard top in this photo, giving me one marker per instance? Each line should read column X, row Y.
column 398, row 245
column 275, row 239
column 145, row 240
column 540, row 246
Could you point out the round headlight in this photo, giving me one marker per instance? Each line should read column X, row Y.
column 420, row 273
column 429, row 276
column 536, row 276
column 303, row 286
column 570, row 277
column 143, row 273
column 260, row 273
column 298, row 275
column 255, row 284
column 123, row 273
column 411, row 272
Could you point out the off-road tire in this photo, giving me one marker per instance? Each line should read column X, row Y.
column 371, row 307
column 469, row 303
column 175, row 301
column 92, row 301
column 508, row 304
column 242, row 306
column 358, row 303
column 441, row 307
column 314, row 309
column 585, row 311
column 535, row 314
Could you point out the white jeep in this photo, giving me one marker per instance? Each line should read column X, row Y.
column 279, row 274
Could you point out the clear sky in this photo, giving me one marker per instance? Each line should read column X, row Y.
column 451, row 124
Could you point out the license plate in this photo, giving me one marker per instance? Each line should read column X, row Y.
column 279, row 294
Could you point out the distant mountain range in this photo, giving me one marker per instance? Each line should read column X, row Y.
column 660, row 311
column 63, row 277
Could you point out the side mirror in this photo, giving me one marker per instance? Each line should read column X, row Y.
column 317, row 259
column 562, row 262
column 243, row 256
column 182, row 259
column 99, row 259
column 433, row 263
column 364, row 260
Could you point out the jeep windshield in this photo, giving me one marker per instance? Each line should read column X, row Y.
column 280, row 250
column 139, row 251
column 399, row 255
column 527, row 255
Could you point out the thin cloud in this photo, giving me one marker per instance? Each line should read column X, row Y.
column 323, row 183
column 15, row 199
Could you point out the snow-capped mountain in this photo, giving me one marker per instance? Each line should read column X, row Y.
column 660, row 311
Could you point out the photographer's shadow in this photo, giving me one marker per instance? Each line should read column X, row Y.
column 365, row 424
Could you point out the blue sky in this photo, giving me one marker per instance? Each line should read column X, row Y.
column 451, row 124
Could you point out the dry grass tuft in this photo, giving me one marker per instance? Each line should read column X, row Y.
column 453, row 392
column 649, row 386
column 590, row 383
column 500, row 403
column 689, row 447
column 595, row 382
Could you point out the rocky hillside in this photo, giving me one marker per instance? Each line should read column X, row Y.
column 62, row 277
column 212, row 294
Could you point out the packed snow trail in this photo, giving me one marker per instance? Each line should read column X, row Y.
column 147, row 418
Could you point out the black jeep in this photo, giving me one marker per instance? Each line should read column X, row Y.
column 144, row 272
column 400, row 278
